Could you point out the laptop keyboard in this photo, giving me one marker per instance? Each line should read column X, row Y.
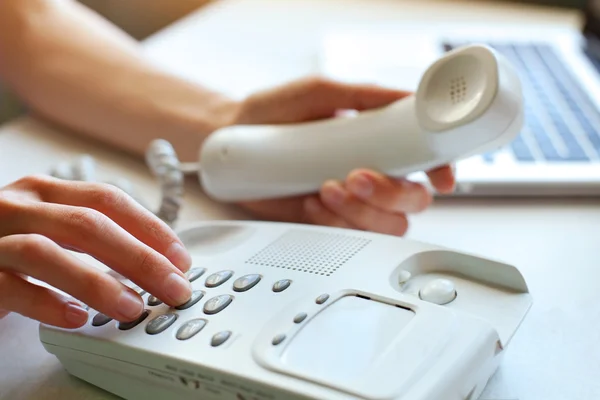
column 561, row 122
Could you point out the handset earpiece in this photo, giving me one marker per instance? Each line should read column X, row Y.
column 470, row 102
column 457, row 89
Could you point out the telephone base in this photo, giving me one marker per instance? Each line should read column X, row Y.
column 294, row 312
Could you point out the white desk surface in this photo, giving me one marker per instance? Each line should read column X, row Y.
column 555, row 242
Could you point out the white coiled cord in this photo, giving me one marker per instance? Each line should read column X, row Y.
column 162, row 161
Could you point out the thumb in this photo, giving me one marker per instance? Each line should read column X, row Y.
column 315, row 98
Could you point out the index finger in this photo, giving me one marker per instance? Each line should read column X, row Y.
column 123, row 210
column 98, row 236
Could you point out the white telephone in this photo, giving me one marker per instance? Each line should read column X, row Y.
column 285, row 311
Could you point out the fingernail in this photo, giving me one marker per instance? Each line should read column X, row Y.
column 130, row 305
column 179, row 256
column 312, row 205
column 334, row 194
column 361, row 186
column 76, row 315
column 178, row 288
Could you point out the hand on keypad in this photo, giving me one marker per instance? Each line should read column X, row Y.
column 40, row 217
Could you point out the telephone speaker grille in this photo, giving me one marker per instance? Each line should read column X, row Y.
column 312, row 252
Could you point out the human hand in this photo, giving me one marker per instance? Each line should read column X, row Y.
column 366, row 199
column 40, row 217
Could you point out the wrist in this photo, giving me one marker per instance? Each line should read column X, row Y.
column 195, row 116
column 222, row 111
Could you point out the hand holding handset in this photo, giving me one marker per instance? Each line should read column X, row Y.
column 468, row 102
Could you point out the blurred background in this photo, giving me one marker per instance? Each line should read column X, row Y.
column 139, row 18
column 142, row 18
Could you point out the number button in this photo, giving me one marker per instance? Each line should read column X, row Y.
column 246, row 282
column 160, row 323
column 190, row 328
column 217, row 304
column 218, row 278
column 281, row 285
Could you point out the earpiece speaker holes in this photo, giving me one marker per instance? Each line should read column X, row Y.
column 458, row 89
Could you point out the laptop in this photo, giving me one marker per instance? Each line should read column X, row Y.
column 558, row 150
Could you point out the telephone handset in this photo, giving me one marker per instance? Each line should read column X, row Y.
column 468, row 102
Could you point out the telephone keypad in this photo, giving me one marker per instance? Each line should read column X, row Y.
column 160, row 323
column 196, row 296
column 218, row 278
column 217, row 304
column 125, row 326
column 190, row 328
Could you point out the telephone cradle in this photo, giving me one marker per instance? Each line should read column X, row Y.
column 289, row 311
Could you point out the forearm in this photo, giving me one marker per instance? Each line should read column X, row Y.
column 75, row 69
